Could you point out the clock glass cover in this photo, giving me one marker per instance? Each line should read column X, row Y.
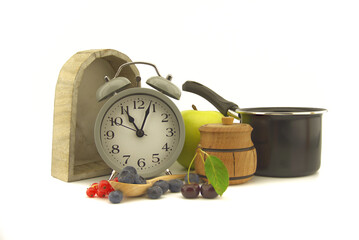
column 140, row 129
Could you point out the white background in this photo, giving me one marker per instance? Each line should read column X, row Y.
column 255, row 53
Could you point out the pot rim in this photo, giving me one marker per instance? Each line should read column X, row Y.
column 282, row 111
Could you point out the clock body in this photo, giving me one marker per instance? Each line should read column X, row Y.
column 142, row 128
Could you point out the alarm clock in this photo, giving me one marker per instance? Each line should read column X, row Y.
column 139, row 127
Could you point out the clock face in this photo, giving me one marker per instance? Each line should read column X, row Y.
column 140, row 128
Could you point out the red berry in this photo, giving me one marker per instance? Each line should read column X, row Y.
column 115, row 179
column 110, row 189
column 101, row 193
column 95, row 185
column 104, row 185
column 91, row 192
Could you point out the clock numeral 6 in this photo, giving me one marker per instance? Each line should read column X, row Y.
column 141, row 162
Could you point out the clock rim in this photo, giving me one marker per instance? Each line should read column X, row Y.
column 133, row 91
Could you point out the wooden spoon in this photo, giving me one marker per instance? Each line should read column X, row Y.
column 134, row 190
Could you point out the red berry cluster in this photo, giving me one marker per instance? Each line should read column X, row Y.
column 101, row 189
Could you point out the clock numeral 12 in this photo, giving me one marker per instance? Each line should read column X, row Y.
column 139, row 104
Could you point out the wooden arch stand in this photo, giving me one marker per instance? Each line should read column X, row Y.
column 74, row 154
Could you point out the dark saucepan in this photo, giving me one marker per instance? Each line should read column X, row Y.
column 288, row 140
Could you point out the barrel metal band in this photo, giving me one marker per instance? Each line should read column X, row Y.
column 227, row 150
column 231, row 178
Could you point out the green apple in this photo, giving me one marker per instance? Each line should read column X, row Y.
column 193, row 119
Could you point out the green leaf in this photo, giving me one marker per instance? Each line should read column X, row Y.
column 217, row 174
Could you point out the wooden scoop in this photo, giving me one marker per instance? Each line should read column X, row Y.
column 134, row 190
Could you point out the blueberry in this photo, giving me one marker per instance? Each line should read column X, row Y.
column 139, row 179
column 193, row 178
column 126, row 177
column 163, row 185
column 154, row 192
column 175, row 185
column 130, row 169
column 115, row 196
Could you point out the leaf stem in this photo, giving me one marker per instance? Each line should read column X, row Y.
column 189, row 167
column 201, row 151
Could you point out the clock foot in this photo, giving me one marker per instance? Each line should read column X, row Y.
column 113, row 175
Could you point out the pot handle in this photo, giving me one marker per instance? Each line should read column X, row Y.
column 219, row 102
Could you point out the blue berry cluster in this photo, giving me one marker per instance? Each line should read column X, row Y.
column 161, row 187
column 129, row 175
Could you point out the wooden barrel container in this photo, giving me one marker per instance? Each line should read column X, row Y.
column 232, row 143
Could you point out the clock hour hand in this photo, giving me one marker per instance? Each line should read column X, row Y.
column 139, row 132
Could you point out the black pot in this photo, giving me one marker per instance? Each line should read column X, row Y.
column 288, row 140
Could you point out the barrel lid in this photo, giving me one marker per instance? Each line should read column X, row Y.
column 227, row 126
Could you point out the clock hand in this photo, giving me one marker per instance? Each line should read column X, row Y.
column 130, row 128
column 131, row 119
column 139, row 132
column 146, row 115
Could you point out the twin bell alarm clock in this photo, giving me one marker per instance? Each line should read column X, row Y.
column 139, row 127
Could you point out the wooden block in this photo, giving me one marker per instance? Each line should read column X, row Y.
column 74, row 154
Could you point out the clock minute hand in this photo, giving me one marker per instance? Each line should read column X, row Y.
column 130, row 128
column 146, row 115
